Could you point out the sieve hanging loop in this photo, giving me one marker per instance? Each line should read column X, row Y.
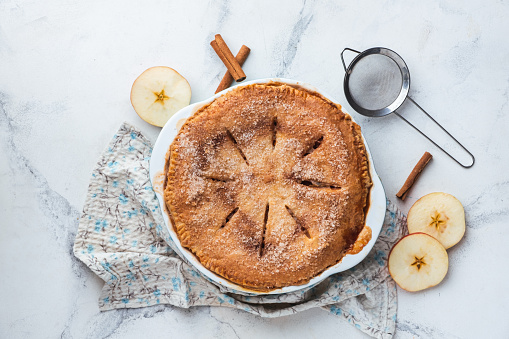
column 398, row 98
column 343, row 59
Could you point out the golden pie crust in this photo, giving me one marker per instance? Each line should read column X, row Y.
column 268, row 185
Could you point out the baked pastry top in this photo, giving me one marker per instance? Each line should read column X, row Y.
column 268, row 185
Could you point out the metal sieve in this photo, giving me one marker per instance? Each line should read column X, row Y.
column 377, row 83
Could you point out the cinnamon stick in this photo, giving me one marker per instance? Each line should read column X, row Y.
column 414, row 175
column 226, row 56
column 227, row 78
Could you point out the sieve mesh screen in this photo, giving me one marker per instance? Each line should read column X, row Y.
column 375, row 82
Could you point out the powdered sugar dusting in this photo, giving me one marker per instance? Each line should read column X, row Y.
column 244, row 153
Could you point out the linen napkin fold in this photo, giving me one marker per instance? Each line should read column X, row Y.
column 123, row 239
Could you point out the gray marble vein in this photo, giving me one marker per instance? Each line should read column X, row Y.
column 224, row 323
column 63, row 218
column 290, row 50
column 419, row 331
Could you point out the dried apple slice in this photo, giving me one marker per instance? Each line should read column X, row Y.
column 158, row 93
column 418, row 261
column 440, row 215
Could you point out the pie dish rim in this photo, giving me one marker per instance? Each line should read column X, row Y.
column 374, row 217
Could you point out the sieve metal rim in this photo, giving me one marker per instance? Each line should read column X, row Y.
column 405, row 81
column 403, row 95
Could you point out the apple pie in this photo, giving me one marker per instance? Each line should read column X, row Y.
column 268, row 185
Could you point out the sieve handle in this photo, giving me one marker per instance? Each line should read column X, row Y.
column 343, row 59
column 443, row 129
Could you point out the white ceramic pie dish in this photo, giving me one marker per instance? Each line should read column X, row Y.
column 374, row 217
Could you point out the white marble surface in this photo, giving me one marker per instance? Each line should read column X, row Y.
column 66, row 68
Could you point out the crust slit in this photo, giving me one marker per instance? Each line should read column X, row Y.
column 217, row 179
column 298, row 222
column 265, row 219
column 315, row 145
column 237, row 146
column 229, row 217
column 318, row 184
column 274, row 132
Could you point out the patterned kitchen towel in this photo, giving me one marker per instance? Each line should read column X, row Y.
column 123, row 239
